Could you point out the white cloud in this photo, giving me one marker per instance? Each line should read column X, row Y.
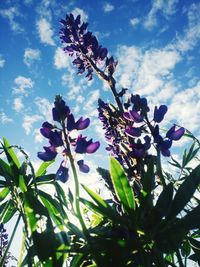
column 22, row 84
column 166, row 8
column 108, row 7
column 28, row 122
column 45, row 31
column 156, row 66
column 90, row 105
column 44, row 107
column 2, row 61
column 31, row 55
column 134, row 21
column 61, row 59
column 146, row 71
column 11, row 14
column 191, row 35
column 4, row 118
column 184, row 108
column 18, row 104
column 38, row 138
column 78, row 11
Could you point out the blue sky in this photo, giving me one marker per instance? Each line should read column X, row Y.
column 155, row 42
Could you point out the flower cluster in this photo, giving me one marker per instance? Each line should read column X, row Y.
column 131, row 135
column 82, row 44
column 61, row 140
column 3, row 241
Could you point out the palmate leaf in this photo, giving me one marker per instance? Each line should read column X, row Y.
column 185, row 192
column 121, row 185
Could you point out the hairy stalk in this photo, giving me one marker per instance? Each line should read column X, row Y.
column 10, row 241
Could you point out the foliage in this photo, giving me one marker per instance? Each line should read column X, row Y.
column 151, row 217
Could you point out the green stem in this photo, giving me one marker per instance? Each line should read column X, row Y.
column 22, row 251
column 159, row 169
column 10, row 242
column 77, row 195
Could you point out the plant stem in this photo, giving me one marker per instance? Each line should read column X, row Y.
column 22, row 251
column 179, row 258
column 77, row 196
column 10, row 241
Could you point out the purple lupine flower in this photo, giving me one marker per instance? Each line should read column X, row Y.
column 83, row 146
column 139, row 104
column 83, row 167
column 133, row 131
column 80, row 124
column 174, row 134
column 159, row 113
column 60, row 110
column 60, row 139
column 3, row 241
column 62, row 173
column 84, row 46
column 49, row 154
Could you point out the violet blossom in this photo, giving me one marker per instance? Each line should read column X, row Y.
column 57, row 139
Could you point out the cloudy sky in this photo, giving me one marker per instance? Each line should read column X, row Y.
column 156, row 43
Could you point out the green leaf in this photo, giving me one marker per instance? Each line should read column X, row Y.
column 22, row 184
column 53, row 208
column 44, row 179
column 5, row 170
column 192, row 219
column 185, row 192
column 10, row 211
column 11, row 152
column 103, row 206
column 4, row 193
column 77, row 260
column 43, row 167
column 187, row 157
column 162, row 206
column 121, row 185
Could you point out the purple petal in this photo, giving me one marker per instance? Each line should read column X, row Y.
column 81, row 145
column 62, row 174
column 48, row 155
column 133, row 131
column 127, row 116
column 82, row 124
column 55, row 138
column 48, row 125
column 136, row 116
column 92, row 147
column 70, row 122
column 83, row 167
column 45, row 132
column 159, row 113
column 175, row 134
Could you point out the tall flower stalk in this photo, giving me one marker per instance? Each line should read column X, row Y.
column 60, row 139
